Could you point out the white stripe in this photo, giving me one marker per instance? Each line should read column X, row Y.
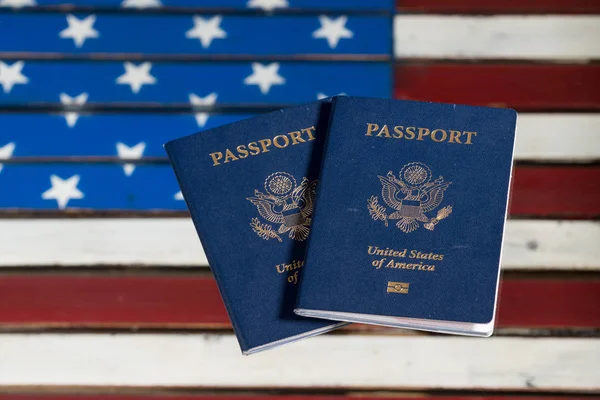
column 529, row 244
column 558, row 137
column 208, row 360
column 520, row 37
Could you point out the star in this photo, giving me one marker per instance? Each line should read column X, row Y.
column 195, row 100
column 130, row 153
column 79, row 29
column 267, row 5
column 11, row 75
column 206, row 30
column 322, row 95
column 63, row 190
column 264, row 76
column 178, row 196
column 136, row 76
column 6, row 152
column 66, row 100
column 333, row 30
column 17, row 3
column 141, row 3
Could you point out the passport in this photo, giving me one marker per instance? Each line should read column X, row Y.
column 410, row 214
column 250, row 187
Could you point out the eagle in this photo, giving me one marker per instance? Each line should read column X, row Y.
column 292, row 211
column 411, row 201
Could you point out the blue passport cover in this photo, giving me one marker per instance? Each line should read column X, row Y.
column 411, row 208
column 250, row 187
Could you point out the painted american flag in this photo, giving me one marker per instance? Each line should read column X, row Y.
column 105, row 291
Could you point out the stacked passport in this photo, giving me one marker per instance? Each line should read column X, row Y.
column 352, row 210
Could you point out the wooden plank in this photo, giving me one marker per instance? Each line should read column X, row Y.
column 529, row 244
column 91, row 186
column 526, row 87
column 499, row 6
column 556, row 37
column 541, row 137
column 232, row 5
column 557, row 137
column 214, row 361
column 565, row 191
column 99, row 394
column 193, row 302
column 190, row 34
column 540, row 191
column 190, row 83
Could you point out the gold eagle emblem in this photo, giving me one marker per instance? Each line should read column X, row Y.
column 410, row 195
column 285, row 203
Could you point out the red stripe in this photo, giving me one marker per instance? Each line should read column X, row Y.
column 526, row 87
column 567, row 192
column 500, row 6
column 194, row 302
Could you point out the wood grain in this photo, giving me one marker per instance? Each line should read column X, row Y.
column 555, row 37
column 525, row 87
column 499, row 6
column 37, row 301
column 565, row 191
column 329, row 361
column 529, row 244
column 559, row 137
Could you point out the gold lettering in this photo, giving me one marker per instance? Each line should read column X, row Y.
column 455, row 135
column 216, row 156
column 296, row 137
column 385, row 131
column 242, row 152
column 264, row 143
column 469, row 136
column 371, row 128
column 410, row 132
column 254, row 150
column 445, row 135
column 398, row 131
column 279, row 146
column 310, row 132
column 423, row 132
column 228, row 155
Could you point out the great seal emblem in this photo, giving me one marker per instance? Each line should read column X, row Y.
column 286, row 203
column 411, row 195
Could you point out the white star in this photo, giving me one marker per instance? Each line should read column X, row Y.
column 137, row 76
column 267, row 5
column 6, row 152
column 63, row 190
column 178, row 196
column 130, row 153
column 79, row 29
column 333, row 30
column 264, row 76
column 11, row 75
column 66, row 100
column 195, row 100
column 17, row 3
column 322, row 95
column 141, row 3
column 206, row 30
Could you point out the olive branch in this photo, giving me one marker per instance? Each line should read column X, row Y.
column 376, row 210
column 264, row 231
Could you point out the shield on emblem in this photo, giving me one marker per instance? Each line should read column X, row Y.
column 409, row 209
column 293, row 217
